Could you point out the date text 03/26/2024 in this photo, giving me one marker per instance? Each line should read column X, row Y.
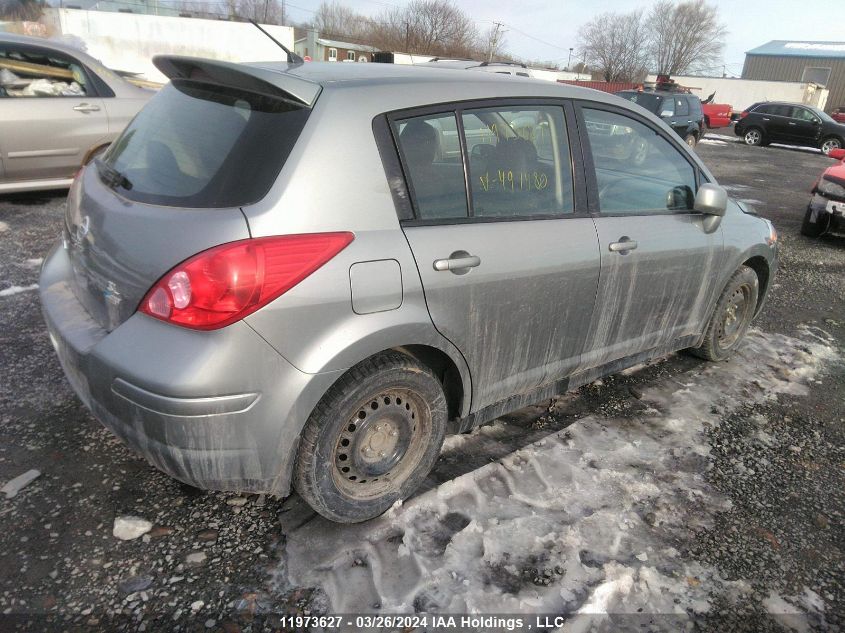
column 410, row 622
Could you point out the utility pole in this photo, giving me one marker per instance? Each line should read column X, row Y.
column 494, row 41
column 569, row 61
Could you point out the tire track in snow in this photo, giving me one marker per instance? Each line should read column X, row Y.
column 584, row 521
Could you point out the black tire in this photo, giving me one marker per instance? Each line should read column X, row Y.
column 691, row 139
column 815, row 227
column 704, row 129
column 388, row 403
column 753, row 136
column 726, row 329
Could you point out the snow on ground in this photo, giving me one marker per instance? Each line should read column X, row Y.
column 13, row 290
column 724, row 140
column 583, row 521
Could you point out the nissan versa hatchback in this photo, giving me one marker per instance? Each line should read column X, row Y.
column 303, row 276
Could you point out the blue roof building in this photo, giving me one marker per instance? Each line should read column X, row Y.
column 821, row 63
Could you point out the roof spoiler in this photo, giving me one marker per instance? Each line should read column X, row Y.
column 243, row 76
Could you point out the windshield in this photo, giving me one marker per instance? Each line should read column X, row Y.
column 650, row 102
column 202, row 145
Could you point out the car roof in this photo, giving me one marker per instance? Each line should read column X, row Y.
column 119, row 86
column 54, row 45
column 441, row 84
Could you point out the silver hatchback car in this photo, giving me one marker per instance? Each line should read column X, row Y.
column 304, row 276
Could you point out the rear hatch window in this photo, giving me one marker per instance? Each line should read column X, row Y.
column 198, row 144
column 650, row 102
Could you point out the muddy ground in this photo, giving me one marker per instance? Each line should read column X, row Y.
column 217, row 562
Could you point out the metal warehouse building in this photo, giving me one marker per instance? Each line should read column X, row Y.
column 818, row 62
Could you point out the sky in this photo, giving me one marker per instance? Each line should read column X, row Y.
column 543, row 30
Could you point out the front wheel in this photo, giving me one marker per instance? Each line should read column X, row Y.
column 690, row 140
column 753, row 136
column 731, row 317
column 829, row 144
column 815, row 223
column 372, row 439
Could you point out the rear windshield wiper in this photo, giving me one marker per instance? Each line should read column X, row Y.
column 111, row 177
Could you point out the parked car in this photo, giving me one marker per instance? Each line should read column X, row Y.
column 838, row 114
column 681, row 110
column 791, row 123
column 716, row 115
column 249, row 317
column 826, row 211
column 58, row 108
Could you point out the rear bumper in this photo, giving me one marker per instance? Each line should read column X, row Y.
column 219, row 410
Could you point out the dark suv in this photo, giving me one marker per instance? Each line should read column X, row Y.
column 791, row 123
column 681, row 111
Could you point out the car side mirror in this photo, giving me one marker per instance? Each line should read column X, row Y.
column 837, row 154
column 711, row 200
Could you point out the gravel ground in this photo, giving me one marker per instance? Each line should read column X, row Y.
column 215, row 561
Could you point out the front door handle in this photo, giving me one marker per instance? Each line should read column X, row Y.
column 793, row 123
column 624, row 245
column 86, row 107
column 457, row 263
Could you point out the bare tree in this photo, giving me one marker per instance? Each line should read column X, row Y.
column 616, row 44
column 21, row 10
column 336, row 20
column 265, row 11
column 427, row 27
column 684, row 37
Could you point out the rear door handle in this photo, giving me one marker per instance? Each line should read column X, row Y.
column 86, row 107
column 457, row 263
column 766, row 119
column 793, row 123
column 624, row 245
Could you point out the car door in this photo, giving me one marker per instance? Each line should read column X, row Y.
column 658, row 261
column 509, row 265
column 779, row 123
column 805, row 126
column 52, row 115
column 681, row 122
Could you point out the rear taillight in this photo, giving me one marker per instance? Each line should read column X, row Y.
column 743, row 114
column 226, row 283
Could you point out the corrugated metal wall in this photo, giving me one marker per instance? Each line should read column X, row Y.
column 604, row 86
column 791, row 68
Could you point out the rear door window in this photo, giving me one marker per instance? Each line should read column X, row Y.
column 431, row 155
column 522, row 166
column 202, row 145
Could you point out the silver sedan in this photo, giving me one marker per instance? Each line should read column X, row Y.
column 58, row 108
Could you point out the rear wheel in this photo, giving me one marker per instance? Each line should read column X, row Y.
column 815, row 224
column 753, row 136
column 829, row 144
column 372, row 439
column 691, row 139
column 731, row 317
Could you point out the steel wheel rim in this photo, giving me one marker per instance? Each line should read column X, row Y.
column 734, row 317
column 752, row 137
column 829, row 145
column 691, row 141
column 381, row 444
